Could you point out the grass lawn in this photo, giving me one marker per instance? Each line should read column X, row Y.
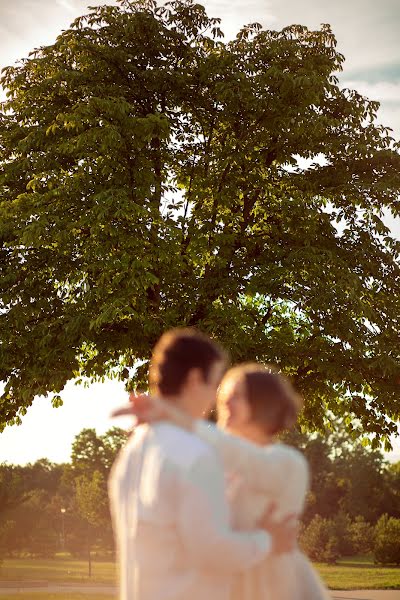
column 58, row 569
column 359, row 573
column 42, row 596
column 350, row 573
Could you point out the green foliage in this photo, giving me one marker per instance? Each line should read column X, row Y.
column 351, row 487
column 7, row 529
column 319, row 540
column 12, row 486
column 29, row 527
column 393, row 477
column 28, row 521
column 342, row 523
column 367, row 480
column 92, row 502
column 92, row 457
column 362, row 536
column 152, row 175
column 91, row 452
column 387, row 541
column 346, row 477
column 45, row 507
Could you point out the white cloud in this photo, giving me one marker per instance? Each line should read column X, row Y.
column 66, row 4
column 384, row 91
column 29, row 24
column 367, row 31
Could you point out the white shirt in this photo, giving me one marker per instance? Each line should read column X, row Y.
column 171, row 519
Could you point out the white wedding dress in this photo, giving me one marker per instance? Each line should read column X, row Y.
column 257, row 477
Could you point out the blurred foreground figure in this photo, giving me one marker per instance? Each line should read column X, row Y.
column 170, row 515
column 255, row 403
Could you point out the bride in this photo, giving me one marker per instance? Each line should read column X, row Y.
column 255, row 403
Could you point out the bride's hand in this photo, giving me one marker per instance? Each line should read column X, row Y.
column 283, row 532
column 146, row 409
column 150, row 409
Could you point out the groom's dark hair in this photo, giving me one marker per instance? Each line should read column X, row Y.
column 176, row 353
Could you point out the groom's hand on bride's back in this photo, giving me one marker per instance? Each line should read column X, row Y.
column 283, row 532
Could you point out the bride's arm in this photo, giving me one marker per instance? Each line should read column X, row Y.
column 278, row 468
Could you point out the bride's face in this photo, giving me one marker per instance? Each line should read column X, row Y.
column 233, row 408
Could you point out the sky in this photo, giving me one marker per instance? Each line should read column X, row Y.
column 367, row 35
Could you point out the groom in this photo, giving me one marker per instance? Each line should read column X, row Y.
column 168, row 507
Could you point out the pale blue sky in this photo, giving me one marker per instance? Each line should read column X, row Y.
column 367, row 34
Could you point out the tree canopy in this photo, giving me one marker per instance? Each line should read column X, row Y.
column 153, row 175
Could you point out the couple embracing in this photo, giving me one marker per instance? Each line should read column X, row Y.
column 205, row 512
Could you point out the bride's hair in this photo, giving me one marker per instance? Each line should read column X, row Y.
column 273, row 401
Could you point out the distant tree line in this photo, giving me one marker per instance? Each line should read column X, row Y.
column 353, row 506
column 47, row 508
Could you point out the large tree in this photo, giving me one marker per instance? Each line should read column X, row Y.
column 152, row 175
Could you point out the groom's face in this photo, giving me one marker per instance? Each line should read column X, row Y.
column 200, row 393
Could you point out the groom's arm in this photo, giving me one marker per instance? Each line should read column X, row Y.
column 203, row 522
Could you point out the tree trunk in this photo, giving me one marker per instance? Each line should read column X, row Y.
column 88, row 551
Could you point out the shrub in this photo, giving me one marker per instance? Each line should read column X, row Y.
column 319, row 540
column 342, row 524
column 387, row 541
column 362, row 536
